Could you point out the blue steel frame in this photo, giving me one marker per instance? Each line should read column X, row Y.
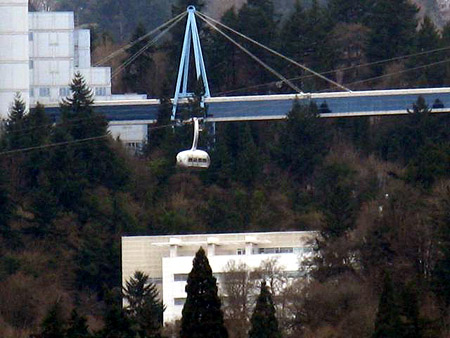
column 191, row 36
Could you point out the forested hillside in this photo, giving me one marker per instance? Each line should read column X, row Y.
column 378, row 189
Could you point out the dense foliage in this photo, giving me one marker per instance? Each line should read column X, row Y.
column 202, row 315
column 377, row 189
column 264, row 323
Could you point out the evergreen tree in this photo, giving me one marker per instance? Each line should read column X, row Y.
column 348, row 11
column 137, row 74
column 303, row 141
column 248, row 162
column 38, row 134
column 336, row 191
column 409, row 310
column 393, row 29
column 201, row 315
column 264, row 322
column 144, row 307
column 117, row 323
column 388, row 323
column 256, row 19
column 91, row 162
column 427, row 39
column 77, row 326
column 223, row 55
column 441, row 272
column 5, row 203
column 160, row 134
column 445, row 41
column 53, row 325
column 306, row 39
column 16, row 135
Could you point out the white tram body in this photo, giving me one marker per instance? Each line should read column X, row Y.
column 193, row 159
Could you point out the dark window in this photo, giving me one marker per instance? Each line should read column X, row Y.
column 180, row 277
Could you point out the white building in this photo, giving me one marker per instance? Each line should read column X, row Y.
column 56, row 52
column 444, row 5
column 14, row 54
column 168, row 259
column 39, row 54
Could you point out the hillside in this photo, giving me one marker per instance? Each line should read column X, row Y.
column 377, row 189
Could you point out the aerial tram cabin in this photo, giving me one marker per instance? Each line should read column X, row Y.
column 194, row 158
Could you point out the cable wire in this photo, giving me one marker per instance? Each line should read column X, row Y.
column 204, row 17
column 52, row 145
column 254, row 57
column 131, row 59
column 65, row 143
column 143, row 37
column 341, row 69
column 400, row 72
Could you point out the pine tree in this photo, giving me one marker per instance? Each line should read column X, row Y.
column 306, row 39
column 117, row 323
column 388, row 323
column 144, row 307
column 248, row 162
column 303, row 141
column 201, row 315
column 137, row 74
column 441, row 272
column 348, row 11
column 256, row 19
column 264, row 322
column 393, row 29
column 53, row 325
column 38, row 131
column 77, row 326
column 428, row 38
column 91, row 162
column 16, row 136
column 223, row 55
column 5, row 203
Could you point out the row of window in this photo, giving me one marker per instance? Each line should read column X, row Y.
column 199, row 160
column 63, row 91
column 280, row 250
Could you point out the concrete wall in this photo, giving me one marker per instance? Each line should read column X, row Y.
column 163, row 257
column 14, row 61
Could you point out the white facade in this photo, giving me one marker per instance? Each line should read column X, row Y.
column 444, row 5
column 131, row 133
column 13, row 52
column 39, row 54
column 57, row 52
column 168, row 259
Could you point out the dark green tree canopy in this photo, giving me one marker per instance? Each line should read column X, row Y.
column 144, row 306
column 264, row 322
column 202, row 315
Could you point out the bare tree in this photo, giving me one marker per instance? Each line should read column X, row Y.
column 239, row 292
column 43, row 5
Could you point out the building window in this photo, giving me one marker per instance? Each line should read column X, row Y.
column 30, row 36
column 100, row 91
column 31, row 92
column 64, row 91
column 180, row 277
column 240, row 252
column 275, row 250
column 44, row 92
column 31, row 64
column 179, row 301
column 155, row 280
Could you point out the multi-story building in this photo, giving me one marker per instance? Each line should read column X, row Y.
column 168, row 259
column 39, row 54
column 56, row 51
column 444, row 5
